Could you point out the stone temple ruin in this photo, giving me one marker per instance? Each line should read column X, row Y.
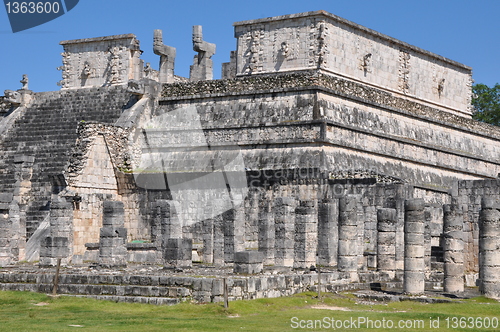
column 325, row 145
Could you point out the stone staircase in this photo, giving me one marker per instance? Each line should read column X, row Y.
column 47, row 130
column 119, row 288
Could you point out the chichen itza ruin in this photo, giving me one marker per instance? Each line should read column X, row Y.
column 325, row 145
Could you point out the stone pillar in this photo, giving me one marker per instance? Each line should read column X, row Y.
column 207, row 227
column 328, row 232
column 306, row 235
column 414, row 265
column 202, row 68
column 167, row 58
column 113, row 236
column 6, row 256
column 218, row 240
column 266, row 232
column 386, row 240
column 234, row 232
column 208, row 241
column 489, row 248
column 60, row 242
column 453, row 246
column 284, row 217
column 248, row 262
column 348, row 235
column 178, row 253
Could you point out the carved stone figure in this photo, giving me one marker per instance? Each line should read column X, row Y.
column 202, row 68
column 24, row 81
column 167, row 58
column 441, row 86
column 13, row 97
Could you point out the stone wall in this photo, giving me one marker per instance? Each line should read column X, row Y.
column 94, row 62
column 322, row 40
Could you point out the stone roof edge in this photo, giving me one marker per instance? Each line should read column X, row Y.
column 314, row 82
column 357, row 27
column 97, row 39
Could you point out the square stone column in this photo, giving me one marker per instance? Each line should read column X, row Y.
column 178, row 253
column 328, row 232
column 266, row 232
column 284, row 218
column 113, row 236
column 60, row 242
column 6, row 256
column 234, row 232
column 306, row 235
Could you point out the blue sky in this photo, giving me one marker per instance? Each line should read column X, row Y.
column 464, row 31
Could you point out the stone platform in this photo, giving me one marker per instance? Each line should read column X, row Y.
column 155, row 285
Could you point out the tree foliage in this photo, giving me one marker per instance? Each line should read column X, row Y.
column 486, row 102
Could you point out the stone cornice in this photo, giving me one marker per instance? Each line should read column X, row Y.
column 314, row 80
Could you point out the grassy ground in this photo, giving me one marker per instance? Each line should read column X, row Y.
column 20, row 311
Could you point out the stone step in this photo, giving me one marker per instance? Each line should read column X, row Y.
column 132, row 299
column 99, row 290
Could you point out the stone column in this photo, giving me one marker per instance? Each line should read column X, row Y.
column 60, row 242
column 414, row 265
column 284, row 217
column 266, row 232
column 207, row 228
column 208, row 240
column 234, row 232
column 202, row 68
column 453, row 246
column 386, row 240
column 306, row 235
column 178, row 253
column 248, row 262
column 6, row 256
column 113, row 236
column 328, row 232
column 489, row 248
column 167, row 58
column 348, row 234
column 218, row 240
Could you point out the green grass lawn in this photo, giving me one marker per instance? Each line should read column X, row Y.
column 22, row 311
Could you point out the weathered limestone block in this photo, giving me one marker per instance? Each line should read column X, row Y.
column 113, row 236
column 453, row 246
column 284, row 216
column 248, row 262
column 489, row 248
column 328, row 232
column 414, row 264
column 202, row 68
column 6, row 257
column 167, row 57
column 178, row 253
column 218, row 252
column 52, row 248
column 170, row 222
column 306, row 235
column 234, row 232
column 59, row 243
column 386, row 239
column 267, row 233
column 348, row 245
